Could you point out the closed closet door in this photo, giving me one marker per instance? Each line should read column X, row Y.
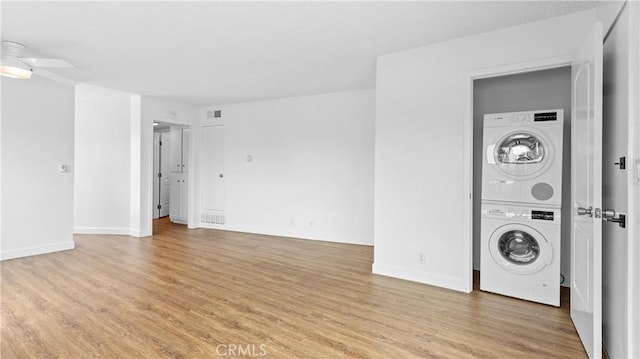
column 176, row 149
column 185, row 149
column 212, row 164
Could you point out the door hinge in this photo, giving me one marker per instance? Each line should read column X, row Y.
column 160, row 143
column 159, row 206
column 622, row 163
column 159, row 175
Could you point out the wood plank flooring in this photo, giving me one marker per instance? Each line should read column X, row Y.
column 206, row 294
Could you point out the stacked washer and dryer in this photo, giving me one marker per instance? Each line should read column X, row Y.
column 521, row 202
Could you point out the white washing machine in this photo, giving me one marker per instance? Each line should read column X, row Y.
column 520, row 255
column 523, row 157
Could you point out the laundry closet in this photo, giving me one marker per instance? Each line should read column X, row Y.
column 540, row 99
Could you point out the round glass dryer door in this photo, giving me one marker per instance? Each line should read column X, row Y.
column 523, row 154
column 520, row 249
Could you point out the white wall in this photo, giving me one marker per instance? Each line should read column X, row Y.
column 421, row 117
column 37, row 135
column 114, row 153
column 312, row 170
column 102, row 151
column 139, row 212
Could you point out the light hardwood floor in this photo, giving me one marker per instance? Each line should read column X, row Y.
column 206, row 294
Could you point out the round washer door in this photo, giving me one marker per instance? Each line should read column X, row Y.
column 523, row 154
column 520, row 249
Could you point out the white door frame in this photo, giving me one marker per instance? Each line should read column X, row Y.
column 150, row 178
column 155, row 213
column 470, row 76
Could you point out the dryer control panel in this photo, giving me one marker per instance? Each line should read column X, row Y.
column 526, row 118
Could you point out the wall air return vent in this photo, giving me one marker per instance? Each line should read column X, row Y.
column 212, row 218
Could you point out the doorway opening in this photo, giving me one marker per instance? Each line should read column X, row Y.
column 170, row 172
column 537, row 89
column 161, row 183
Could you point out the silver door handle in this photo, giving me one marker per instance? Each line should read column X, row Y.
column 609, row 215
column 585, row 211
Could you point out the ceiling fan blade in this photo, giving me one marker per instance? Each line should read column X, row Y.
column 46, row 63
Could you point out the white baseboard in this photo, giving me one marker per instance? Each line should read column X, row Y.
column 101, row 230
column 140, row 234
column 457, row 284
column 35, row 250
column 112, row 230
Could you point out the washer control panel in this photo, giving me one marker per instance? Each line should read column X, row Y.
column 520, row 213
column 542, row 215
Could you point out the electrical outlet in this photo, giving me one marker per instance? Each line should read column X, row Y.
column 421, row 257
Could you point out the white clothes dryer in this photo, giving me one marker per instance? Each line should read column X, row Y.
column 520, row 252
column 523, row 157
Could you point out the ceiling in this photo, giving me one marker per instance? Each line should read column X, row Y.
column 209, row 53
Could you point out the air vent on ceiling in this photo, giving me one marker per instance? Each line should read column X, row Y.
column 214, row 114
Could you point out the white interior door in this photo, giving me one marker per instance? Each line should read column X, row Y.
column 615, row 188
column 586, row 196
column 156, row 179
column 213, row 181
column 165, row 153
